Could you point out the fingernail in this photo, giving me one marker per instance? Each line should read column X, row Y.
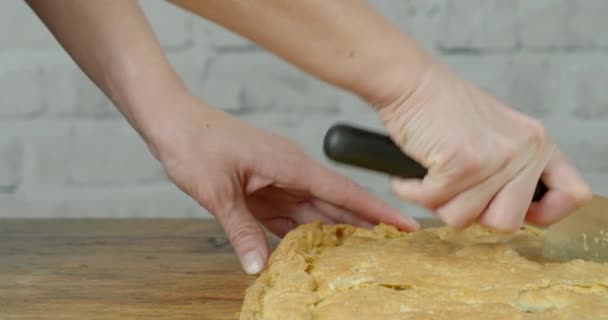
column 253, row 262
column 411, row 222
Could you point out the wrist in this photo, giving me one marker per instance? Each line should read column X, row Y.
column 147, row 98
column 387, row 77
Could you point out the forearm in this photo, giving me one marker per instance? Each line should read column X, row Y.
column 113, row 44
column 344, row 42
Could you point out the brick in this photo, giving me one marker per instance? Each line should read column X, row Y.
column 478, row 25
column 546, row 24
column 527, row 82
column 69, row 92
column 11, row 159
column 20, row 89
column 597, row 181
column 563, row 24
column 192, row 68
column 533, row 85
column 259, row 82
column 208, row 34
column 94, row 202
column 21, row 28
column 587, row 19
column 421, row 19
column 172, row 25
column 11, row 206
column 108, row 153
column 582, row 141
column 583, row 83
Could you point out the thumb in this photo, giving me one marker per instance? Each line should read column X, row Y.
column 245, row 234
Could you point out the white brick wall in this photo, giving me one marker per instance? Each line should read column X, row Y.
column 65, row 151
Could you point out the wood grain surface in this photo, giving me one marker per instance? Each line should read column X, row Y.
column 134, row 269
column 118, row 269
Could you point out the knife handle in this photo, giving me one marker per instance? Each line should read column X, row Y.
column 365, row 149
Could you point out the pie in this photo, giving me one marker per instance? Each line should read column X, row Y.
column 335, row 272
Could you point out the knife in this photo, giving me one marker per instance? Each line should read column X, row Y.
column 582, row 235
column 374, row 151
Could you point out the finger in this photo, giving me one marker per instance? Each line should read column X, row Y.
column 339, row 215
column 345, row 193
column 469, row 205
column 410, row 190
column 427, row 192
column 567, row 192
column 245, row 235
column 279, row 226
column 309, row 213
column 507, row 211
column 463, row 170
column 466, row 207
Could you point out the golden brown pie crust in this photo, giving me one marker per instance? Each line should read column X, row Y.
column 335, row 272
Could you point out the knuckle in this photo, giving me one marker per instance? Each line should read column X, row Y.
column 458, row 164
column 500, row 222
column 218, row 198
column 242, row 233
column 457, row 219
column 468, row 162
column 350, row 189
column 504, row 156
column 508, row 154
column 535, row 132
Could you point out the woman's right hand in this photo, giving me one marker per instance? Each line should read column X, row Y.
column 484, row 158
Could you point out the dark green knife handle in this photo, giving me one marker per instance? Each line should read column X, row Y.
column 357, row 147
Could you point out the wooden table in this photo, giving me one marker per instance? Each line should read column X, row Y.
column 118, row 269
column 138, row 269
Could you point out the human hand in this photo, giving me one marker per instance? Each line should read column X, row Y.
column 246, row 176
column 484, row 158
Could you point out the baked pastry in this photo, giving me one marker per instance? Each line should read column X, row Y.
column 334, row 272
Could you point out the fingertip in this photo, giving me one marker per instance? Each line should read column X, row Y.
column 399, row 220
column 253, row 262
column 554, row 206
column 535, row 216
column 408, row 224
column 407, row 189
column 583, row 195
column 501, row 225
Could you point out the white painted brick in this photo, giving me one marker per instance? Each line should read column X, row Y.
column 108, row 153
column 588, row 20
column 255, row 82
column 191, row 67
column 527, row 82
column 582, row 141
column 21, row 28
column 546, row 24
column 20, row 89
column 479, row 24
column 122, row 202
column 11, row 157
column 172, row 25
column 420, row 19
column 597, row 181
column 207, row 34
column 563, row 23
column 100, row 168
column 69, row 92
column 584, row 81
column 12, row 207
